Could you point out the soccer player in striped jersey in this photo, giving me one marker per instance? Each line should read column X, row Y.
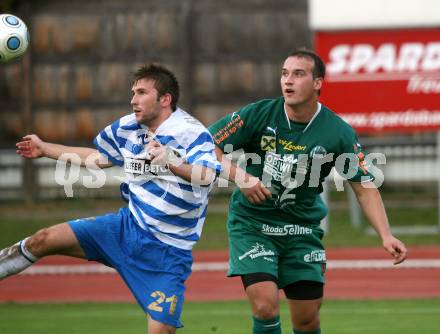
column 170, row 164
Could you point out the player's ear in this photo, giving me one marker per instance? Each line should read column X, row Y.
column 317, row 83
column 166, row 100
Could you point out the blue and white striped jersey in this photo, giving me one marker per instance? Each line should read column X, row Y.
column 170, row 207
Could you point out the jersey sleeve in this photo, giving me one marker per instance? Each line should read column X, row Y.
column 234, row 129
column 108, row 144
column 201, row 151
column 355, row 167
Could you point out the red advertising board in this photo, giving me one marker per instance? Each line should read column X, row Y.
column 387, row 80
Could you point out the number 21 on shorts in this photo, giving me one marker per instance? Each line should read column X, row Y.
column 161, row 298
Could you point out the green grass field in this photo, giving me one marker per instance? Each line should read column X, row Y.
column 338, row 317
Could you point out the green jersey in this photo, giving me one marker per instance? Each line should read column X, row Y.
column 292, row 159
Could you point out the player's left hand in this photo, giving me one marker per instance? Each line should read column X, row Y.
column 161, row 155
column 396, row 248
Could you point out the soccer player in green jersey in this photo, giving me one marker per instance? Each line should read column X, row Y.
column 274, row 231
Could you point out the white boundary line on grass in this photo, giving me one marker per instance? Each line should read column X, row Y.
column 76, row 269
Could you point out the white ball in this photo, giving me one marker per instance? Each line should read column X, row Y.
column 14, row 37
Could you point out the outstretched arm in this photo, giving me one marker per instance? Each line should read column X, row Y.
column 371, row 203
column 33, row 147
column 251, row 186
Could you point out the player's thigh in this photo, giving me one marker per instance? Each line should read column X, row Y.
column 57, row 239
column 305, row 313
column 304, row 258
column 156, row 327
column 250, row 251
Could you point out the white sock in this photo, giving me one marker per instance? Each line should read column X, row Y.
column 15, row 259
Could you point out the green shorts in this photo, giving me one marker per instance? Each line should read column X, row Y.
column 290, row 252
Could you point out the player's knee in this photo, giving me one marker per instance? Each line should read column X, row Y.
column 39, row 243
column 265, row 310
column 308, row 324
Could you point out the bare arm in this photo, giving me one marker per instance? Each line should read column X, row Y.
column 195, row 174
column 33, row 147
column 251, row 186
column 371, row 203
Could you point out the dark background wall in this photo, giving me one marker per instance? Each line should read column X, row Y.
column 224, row 53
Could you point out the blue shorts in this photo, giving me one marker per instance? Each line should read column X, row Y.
column 154, row 271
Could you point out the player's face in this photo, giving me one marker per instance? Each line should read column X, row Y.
column 145, row 102
column 297, row 82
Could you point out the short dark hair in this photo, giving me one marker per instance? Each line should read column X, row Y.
column 319, row 66
column 164, row 81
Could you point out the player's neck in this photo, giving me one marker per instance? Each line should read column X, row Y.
column 301, row 113
column 154, row 124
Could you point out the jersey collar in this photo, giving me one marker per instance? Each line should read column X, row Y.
column 318, row 109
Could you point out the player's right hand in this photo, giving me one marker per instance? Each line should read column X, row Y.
column 255, row 191
column 30, row 147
